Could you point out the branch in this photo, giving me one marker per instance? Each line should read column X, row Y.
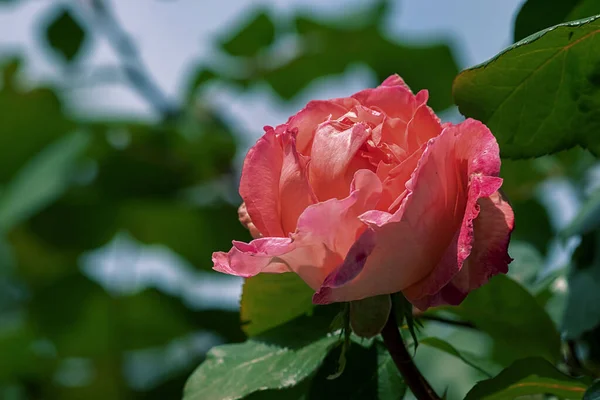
column 131, row 63
column 412, row 376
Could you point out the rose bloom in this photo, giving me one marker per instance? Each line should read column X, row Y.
column 370, row 195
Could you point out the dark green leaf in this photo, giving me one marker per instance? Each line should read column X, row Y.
column 236, row 370
column 36, row 116
column 391, row 385
column 448, row 348
column 255, row 35
column 536, row 15
column 65, row 34
column 541, row 94
column 192, row 232
column 512, row 317
column 269, row 300
column 593, row 392
column 526, row 377
column 368, row 316
column 40, row 181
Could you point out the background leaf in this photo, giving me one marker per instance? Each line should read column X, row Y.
column 65, row 34
column 525, row 377
column 257, row 34
column 512, row 317
column 41, row 181
column 536, row 15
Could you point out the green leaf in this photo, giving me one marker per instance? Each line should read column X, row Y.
column 257, row 34
column 35, row 115
column 527, row 377
column 593, row 392
column 390, row 384
column 448, row 348
column 536, row 15
column 541, row 94
column 582, row 313
column 368, row 316
column 527, row 262
column 40, row 181
column 587, row 219
column 235, row 370
column 269, row 300
column 65, row 34
column 512, row 317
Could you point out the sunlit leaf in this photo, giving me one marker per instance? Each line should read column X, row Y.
column 236, row 370
column 541, row 94
column 269, row 300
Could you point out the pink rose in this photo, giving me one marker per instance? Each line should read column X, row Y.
column 370, row 195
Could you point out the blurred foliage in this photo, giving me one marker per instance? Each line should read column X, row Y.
column 72, row 326
column 289, row 55
column 65, row 35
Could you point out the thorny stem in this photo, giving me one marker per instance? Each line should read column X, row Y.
column 411, row 374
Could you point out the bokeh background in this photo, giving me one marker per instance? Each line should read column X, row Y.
column 123, row 125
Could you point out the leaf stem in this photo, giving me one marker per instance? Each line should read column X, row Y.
column 435, row 318
column 411, row 374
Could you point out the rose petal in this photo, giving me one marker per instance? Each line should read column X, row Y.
column 245, row 220
column 489, row 253
column 333, row 163
column 295, row 193
column 259, row 184
column 333, row 226
column 394, row 80
column 415, row 241
column 394, row 101
column 315, row 113
column 249, row 259
column 325, row 233
column 274, row 184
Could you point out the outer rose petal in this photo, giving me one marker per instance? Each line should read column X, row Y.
column 325, row 233
column 274, row 184
column 419, row 238
column 489, row 253
column 247, row 221
column 248, row 259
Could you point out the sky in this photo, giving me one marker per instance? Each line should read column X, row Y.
column 173, row 36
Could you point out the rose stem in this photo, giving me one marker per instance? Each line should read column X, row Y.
column 395, row 346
